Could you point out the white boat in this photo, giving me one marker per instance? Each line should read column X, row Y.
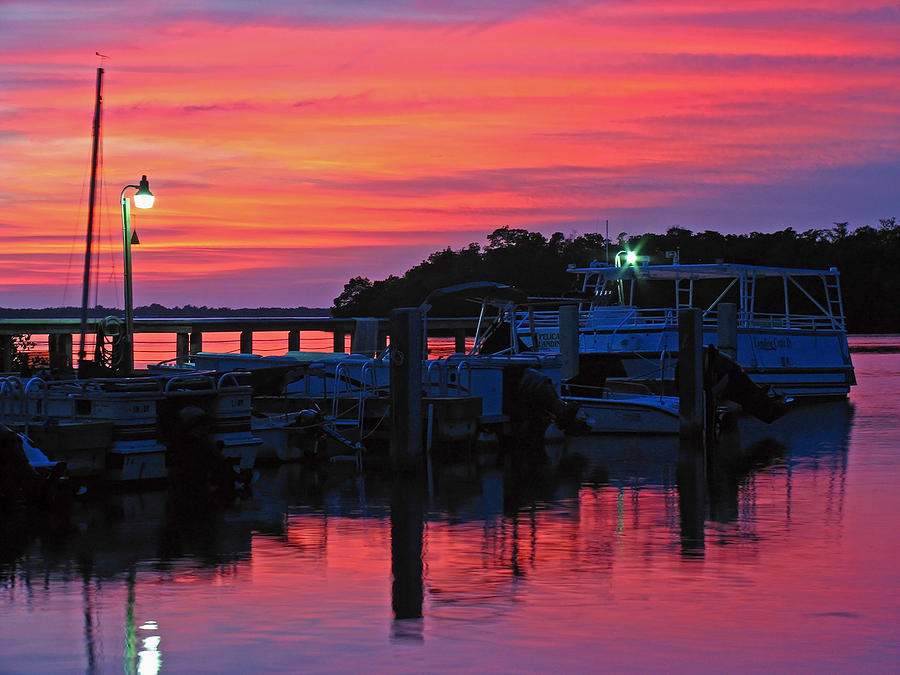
column 789, row 329
column 618, row 413
column 101, row 428
column 286, row 436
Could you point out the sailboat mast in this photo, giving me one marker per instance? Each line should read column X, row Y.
column 95, row 151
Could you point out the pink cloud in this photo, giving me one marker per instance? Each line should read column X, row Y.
column 402, row 129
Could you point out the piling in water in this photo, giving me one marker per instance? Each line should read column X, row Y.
column 407, row 350
column 568, row 340
column 690, row 375
column 726, row 325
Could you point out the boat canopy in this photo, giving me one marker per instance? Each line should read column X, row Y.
column 483, row 291
column 697, row 271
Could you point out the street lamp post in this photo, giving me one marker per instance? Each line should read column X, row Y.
column 143, row 199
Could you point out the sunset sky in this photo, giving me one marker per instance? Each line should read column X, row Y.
column 293, row 145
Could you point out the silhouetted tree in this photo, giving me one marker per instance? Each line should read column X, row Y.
column 867, row 257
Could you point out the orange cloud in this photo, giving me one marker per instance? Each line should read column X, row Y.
column 402, row 131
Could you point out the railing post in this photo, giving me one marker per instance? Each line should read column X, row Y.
column 293, row 340
column 339, row 338
column 6, row 353
column 365, row 337
column 196, row 342
column 246, row 342
column 182, row 344
column 459, row 336
column 60, row 350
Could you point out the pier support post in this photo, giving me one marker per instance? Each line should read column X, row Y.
column 294, row 341
column 459, row 337
column 339, row 337
column 365, row 337
column 6, row 353
column 182, row 344
column 246, row 342
column 691, row 409
column 407, row 349
column 196, row 342
column 60, row 350
column 726, row 328
column 568, row 340
column 691, row 476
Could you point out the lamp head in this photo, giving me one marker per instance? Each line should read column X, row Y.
column 143, row 198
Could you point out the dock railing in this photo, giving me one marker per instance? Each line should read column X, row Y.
column 184, row 336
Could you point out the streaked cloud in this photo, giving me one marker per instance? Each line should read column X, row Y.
column 319, row 141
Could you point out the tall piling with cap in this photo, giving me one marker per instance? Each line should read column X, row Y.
column 691, row 473
column 407, row 353
column 691, row 408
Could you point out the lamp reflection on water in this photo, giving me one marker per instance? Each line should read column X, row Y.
column 149, row 658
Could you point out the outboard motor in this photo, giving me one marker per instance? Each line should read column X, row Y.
column 727, row 380
column 537, row 395
column 535, row 403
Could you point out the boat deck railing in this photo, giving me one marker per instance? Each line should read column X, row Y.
column 613, row 319
column 361, row 382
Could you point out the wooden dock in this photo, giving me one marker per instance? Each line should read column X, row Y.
column 189, row 332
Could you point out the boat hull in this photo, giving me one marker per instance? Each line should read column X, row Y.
column 794, row 362
column 632, row 415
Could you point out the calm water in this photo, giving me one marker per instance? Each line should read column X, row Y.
column 621, row 558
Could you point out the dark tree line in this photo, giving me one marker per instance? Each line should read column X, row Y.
column 867, row 257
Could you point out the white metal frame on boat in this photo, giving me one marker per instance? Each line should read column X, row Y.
column 800, row 351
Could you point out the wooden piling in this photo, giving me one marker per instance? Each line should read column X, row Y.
column 726, row 328
column 407, row 350
column 182, row 344
column 568, row 340
column 692, row 496
column 365, row 337
column 407, row 530
column 246, row 342
column 691, row 409
column 294, row 341
column 196, row 342
column 691, row 472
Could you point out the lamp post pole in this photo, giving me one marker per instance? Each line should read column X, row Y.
column 142, row 199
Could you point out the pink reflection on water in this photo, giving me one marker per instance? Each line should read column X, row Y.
column 797, row 569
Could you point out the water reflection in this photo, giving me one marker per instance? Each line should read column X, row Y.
column 330, row 562
column 407, row 527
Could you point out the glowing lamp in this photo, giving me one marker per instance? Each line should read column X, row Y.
column 143, row 198
column 631, row 257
